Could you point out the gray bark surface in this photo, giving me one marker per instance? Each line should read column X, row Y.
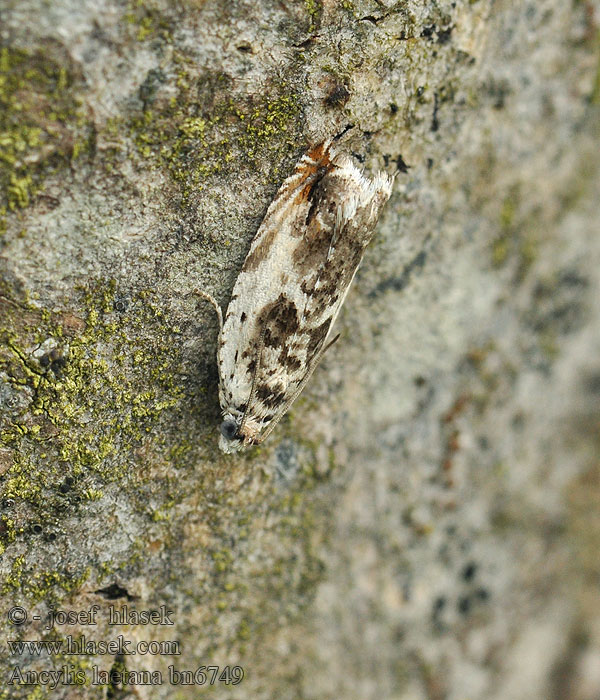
column 424, row 524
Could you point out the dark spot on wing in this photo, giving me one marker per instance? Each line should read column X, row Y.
column 311, row 251
column 293, row 363
column 306, row 287
column 325, row 303
column 328, row 243
column 310, row 174
column 277, row 328
column 307, row 193
column 243, row 316
column 279, row 322
column 270, row 397
column 311, row 212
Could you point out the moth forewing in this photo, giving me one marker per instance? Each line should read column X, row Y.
column 290, row 290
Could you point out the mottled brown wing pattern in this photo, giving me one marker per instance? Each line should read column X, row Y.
column 291, row 287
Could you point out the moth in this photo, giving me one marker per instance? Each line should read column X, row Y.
column 290, row 290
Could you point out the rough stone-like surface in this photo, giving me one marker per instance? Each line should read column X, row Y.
column 425, row 522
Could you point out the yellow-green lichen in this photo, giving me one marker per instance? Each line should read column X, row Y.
column 8, row 532
column 516, row 238
column 595, row 94
column 41, row 123
column 36, row 583
column 147, row 21
column 204, row 130
column 314, row 10
column 103, row 420
column 500, row 249
column 87, row 413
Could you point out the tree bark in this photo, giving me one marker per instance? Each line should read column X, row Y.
column 424, row 523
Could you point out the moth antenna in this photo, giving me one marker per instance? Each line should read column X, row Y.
column 215, row 306
column 326, row 348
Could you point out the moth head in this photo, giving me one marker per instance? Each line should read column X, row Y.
column 235, row 436
column 230, row 440
column 229, row 429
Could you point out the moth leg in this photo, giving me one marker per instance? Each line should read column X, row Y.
column 215, row 306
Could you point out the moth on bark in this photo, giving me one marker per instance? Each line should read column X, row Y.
column 290, row 290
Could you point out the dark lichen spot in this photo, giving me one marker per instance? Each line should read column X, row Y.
column 469, row 571
column 401, row 165
column 338, row 96
column 399, row 283
column 482, row 594
column 114, row 592
column 443, row 35
column 115, row 689
column 287, row 465
column 592, row 383
column 464, row 605
column 439, row 604
column 121, row 304
column 154, row 78
column 54, row 360
column 435, row 122
column 66, row 486
column 440, row 36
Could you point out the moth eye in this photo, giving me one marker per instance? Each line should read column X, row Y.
column 229, row 429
